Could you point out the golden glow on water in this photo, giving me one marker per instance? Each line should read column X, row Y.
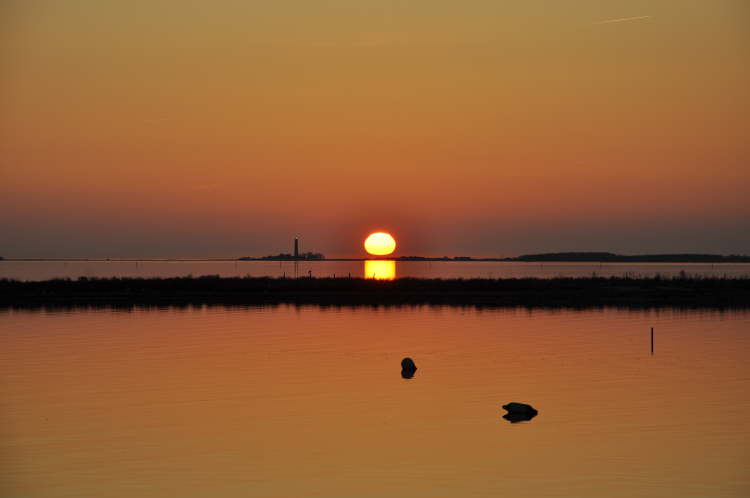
column 380, row 269
column 292, row 401
column 380, row 244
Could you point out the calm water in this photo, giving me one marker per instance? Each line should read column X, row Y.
column 297, row 402
column 41, row 270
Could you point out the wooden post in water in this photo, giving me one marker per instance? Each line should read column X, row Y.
column 652, row 340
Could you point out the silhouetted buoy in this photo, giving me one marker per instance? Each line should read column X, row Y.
column 408, row 368
column 519, row 412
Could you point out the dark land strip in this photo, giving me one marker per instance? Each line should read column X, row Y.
column 549, row 257
column 638, row 293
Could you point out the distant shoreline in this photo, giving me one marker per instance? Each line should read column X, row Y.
column 567, row 257
column 688, row 292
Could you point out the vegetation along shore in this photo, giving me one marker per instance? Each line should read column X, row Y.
column 683, row 291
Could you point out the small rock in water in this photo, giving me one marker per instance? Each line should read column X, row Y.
column 408, row 368
column 408, row 364
column 519, row 412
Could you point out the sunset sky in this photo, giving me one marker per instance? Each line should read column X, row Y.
column 482, row 127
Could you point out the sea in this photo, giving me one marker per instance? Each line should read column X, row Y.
column 43, row 270
column 309, row 401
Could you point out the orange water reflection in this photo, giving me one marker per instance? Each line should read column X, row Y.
column 380, row 269
column 307, row 401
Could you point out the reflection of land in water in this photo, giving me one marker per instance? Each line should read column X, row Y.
column 380, row 269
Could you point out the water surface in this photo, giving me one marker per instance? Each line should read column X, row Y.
column 43, row 270
column 286, row 401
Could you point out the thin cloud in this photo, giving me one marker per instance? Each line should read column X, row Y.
column 623, row 19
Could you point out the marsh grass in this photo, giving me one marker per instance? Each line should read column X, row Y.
column 630, row 291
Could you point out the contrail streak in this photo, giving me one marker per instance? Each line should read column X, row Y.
column 623, row 19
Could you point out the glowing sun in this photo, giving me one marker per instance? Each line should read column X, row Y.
column 380, row 244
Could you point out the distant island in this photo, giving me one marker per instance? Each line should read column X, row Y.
column 606, row 257
column 549, row 257
column 579, row 257
column 305, row 256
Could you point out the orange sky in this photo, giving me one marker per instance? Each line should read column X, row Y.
column 477, row 127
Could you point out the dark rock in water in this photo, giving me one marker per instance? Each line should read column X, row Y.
column 519, row 412
column 514, row 418
column 407, row 374
column 519, row 408
column 408, row 368
column 408, row 364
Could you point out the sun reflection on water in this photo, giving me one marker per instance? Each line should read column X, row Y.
column 379, row 269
